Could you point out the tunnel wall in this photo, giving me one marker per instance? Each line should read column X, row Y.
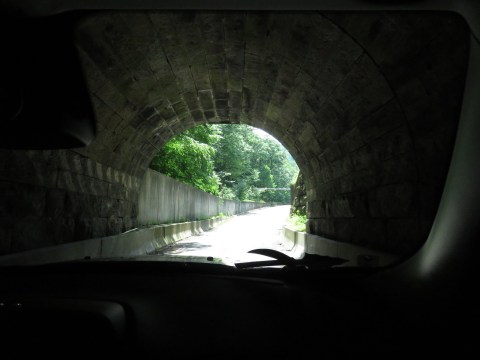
column 299, row 196
column 390, row 131
column 53, row 197
column 163, row 200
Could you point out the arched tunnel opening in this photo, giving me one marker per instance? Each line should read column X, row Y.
column 366, row 103
column 231, row 161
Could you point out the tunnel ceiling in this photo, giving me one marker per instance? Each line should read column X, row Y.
column 316, row 82
column 300, row 77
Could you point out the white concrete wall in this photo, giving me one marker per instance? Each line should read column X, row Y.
column 299, row 243
column 164, row 200
column 137, row 242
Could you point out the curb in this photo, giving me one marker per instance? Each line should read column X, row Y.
column 300, row 242
column 136, row 242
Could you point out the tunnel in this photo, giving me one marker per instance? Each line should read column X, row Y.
column 366, row 103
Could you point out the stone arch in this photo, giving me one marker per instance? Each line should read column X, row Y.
column 365, row 103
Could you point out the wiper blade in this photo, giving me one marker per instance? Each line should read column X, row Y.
column 308, row 261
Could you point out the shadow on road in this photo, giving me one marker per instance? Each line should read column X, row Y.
column 183, row 247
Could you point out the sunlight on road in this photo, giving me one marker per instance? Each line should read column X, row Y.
column 231, row 241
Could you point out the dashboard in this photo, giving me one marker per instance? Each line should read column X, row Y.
column 155, row 310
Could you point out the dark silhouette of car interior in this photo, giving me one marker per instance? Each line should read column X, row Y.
column 424, row 304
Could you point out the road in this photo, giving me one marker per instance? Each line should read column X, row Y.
column 260, row 228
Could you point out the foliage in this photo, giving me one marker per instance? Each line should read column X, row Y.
column 298, row 221
column 189, row 157
column 231, row 161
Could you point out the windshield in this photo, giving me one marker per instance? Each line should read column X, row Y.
column 365, row 104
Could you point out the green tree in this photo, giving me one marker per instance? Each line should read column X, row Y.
column 189, row 157
column 265, row 178
column 233, row 152
column 231, row 161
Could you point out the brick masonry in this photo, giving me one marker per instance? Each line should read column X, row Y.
column 367, row 104
column 52, row 197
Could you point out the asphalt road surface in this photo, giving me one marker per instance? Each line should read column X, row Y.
column 231, row 241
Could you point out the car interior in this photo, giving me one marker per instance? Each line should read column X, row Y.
column 424, row 304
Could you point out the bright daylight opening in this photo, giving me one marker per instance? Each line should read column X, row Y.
column 235, row 162
column 250, row 177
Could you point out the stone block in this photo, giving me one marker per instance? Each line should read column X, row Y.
column 32, row 233
column 67, row 181
column 415, row 102
column 83, row 183
column 316, row 208
column 128, row 223
column 197, row 115
column 381, row 121
column 117, row 191
column 370, row 233
column 7, row 198
column 16, row 166
column 402, row 168
column 392, row 144
column 339, row 207
column 125, row 208
column 362, row 91
column 358, row 204
column 99, row 227
column 83, row 228
column 390, row 201
column 95, row 204
column 131, row 195
column 108, row 171
column 341, row 168
column 90, row 168
column 63, row 230
column 114, row 225
column 27, row 200
column 76, row 162
column 333, row 153
column 54, row 203
column 321, row 227
column 343, row 229
column 347, row 184
column 98, row 187
column 206, row 99
column 363, row 158
column 351, row 141
column 44, row 174
column 75, row 204
column 364, row 180
column 6, row 233
column 99, row 171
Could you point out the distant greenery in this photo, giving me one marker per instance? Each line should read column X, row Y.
column 189, row 157
column 231, row 161
column 298, row 221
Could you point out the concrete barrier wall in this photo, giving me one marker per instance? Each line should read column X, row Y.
column 179, row 210
column 163, row 200
column 299, row 243
column 137, row 242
